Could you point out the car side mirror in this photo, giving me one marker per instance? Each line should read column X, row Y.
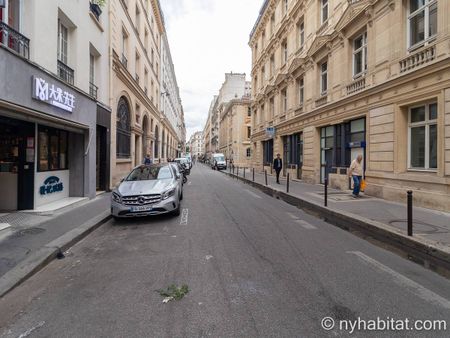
column 123, row 179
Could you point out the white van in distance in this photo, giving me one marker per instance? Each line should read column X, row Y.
column 218, row 161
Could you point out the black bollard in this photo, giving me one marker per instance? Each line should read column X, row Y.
column 244, row 172
column 326, row 192
column 237, row 172
column 287, row 183
column 410, row 212
column 253, row 174
column 271, row 169
column 265, row 175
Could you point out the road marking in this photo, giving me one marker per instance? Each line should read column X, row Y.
column 305, row 224
column 4, row 226
column 184, row 217
column 401, row 280
column 208, row 257
column 291, row 215
column 253, row 194
column 29, row 331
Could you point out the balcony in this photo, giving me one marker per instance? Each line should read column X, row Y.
column 15, row 41
column 321, row 101
column 93, row 90
column 356, row 86
column 65, row 73
column 124, row 61
column 418, row 58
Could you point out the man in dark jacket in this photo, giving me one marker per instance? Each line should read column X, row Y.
column 278, row 165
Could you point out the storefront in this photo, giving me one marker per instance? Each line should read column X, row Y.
column 47, row 138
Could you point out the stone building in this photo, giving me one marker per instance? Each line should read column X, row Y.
column 196, row 144
column 335, row 78
column 235, row 131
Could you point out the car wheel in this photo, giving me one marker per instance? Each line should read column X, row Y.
column 177, row 211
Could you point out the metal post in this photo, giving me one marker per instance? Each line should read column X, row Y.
column 265, row 175
column 410, row 213
column 233, row 169
column 244, row 172
column 326, row 192
column 287, row 183
column 253, row 174
column 271, row 167
column 237, row 172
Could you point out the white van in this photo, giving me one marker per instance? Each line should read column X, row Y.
column 218, row 161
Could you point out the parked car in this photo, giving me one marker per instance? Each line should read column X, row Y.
column 148, row 190
column 179, row 169
column 218, row 161
column 183, row 161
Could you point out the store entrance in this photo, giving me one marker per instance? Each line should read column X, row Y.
column 17, row 156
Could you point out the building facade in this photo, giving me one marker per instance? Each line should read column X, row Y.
column 235, row 131
column 54, row 137
column 333, row 79
column 196, row 144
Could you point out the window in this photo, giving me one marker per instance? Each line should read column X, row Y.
column 262, row 115
column 422, row 21
column 301, row 93
column 323, row 11
column 301, row 33
column 360, row 55
column 272, row 108
column 52, row 149
column 284, row 51
column 91, row 69
column 272, row 65
column 323, row 78
column 62, row 42
column 256, row 50
column 249, row 112
column 285, row 7
column 423, row 136
column 267, row 152
column 263, row 75
column 138, row 20
column 249, row 152
column 123, row 129
column 249, row 132
column 272, row 24
column 263, row 39
column 152, row 57
column 284, row 104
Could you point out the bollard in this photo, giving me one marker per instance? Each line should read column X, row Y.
column 287, row 183
column 233, row 169
column 253, row 174
column 237, row 172
column 244, row 172
column 410, row 212
column 271, row 169
column 265, row 175
column 326, row 192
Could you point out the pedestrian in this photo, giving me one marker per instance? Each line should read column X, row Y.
column 356, row 172
column 147, row 159
column 278, row 165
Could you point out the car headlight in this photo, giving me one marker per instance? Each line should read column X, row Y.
column 116, row 197
column 168, row 194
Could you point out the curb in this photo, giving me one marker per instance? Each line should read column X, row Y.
column 427, row 253
column 42, row 257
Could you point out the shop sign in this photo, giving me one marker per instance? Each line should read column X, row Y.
column 51, row 185
column 52, row 94
column 270, row 132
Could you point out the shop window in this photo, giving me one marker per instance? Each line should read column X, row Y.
column 52, row 149
column 268, row 152
column 423, row 137
column 422, row 21
column 123, row 129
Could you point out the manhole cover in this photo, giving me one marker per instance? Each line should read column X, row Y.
column 29, row 231
column 418, row 226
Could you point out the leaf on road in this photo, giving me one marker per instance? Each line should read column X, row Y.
column 173, row 292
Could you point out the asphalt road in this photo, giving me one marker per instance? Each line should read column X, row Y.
column 255, row 267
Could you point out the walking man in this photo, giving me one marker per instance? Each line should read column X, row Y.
column 278, row 165
column 356, row 171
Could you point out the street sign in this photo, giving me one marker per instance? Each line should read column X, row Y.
column 270, row 132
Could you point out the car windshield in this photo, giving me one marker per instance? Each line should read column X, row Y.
column 219, row 158
column 149, row 173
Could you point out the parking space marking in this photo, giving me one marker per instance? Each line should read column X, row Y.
column 403, row 281
column 253, row 194
column 184, row 217
column 305, row 224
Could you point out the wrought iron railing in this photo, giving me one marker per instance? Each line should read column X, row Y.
column 15, row 41
column 93, row 90
column 65, row 73
column 418, row 58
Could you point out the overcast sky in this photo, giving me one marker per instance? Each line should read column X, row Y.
column 207, row 38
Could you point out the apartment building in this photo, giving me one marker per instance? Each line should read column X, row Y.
column 196, row 144
column 335, row 78
column 137, row 127
column 171, row 107
column 54, row 115
column 235, row 131
column 207, row 130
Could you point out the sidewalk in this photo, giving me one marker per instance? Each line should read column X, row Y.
column 29, row 233
column 376, row 217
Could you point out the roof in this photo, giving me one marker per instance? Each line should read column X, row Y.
column 261, row 13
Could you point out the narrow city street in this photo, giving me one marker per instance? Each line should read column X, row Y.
column 255, row 267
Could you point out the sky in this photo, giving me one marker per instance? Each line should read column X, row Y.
column 207, row 39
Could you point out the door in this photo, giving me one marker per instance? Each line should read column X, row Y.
column 101, row 165
column 25, row 170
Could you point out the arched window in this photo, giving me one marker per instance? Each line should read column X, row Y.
column 123, row 129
